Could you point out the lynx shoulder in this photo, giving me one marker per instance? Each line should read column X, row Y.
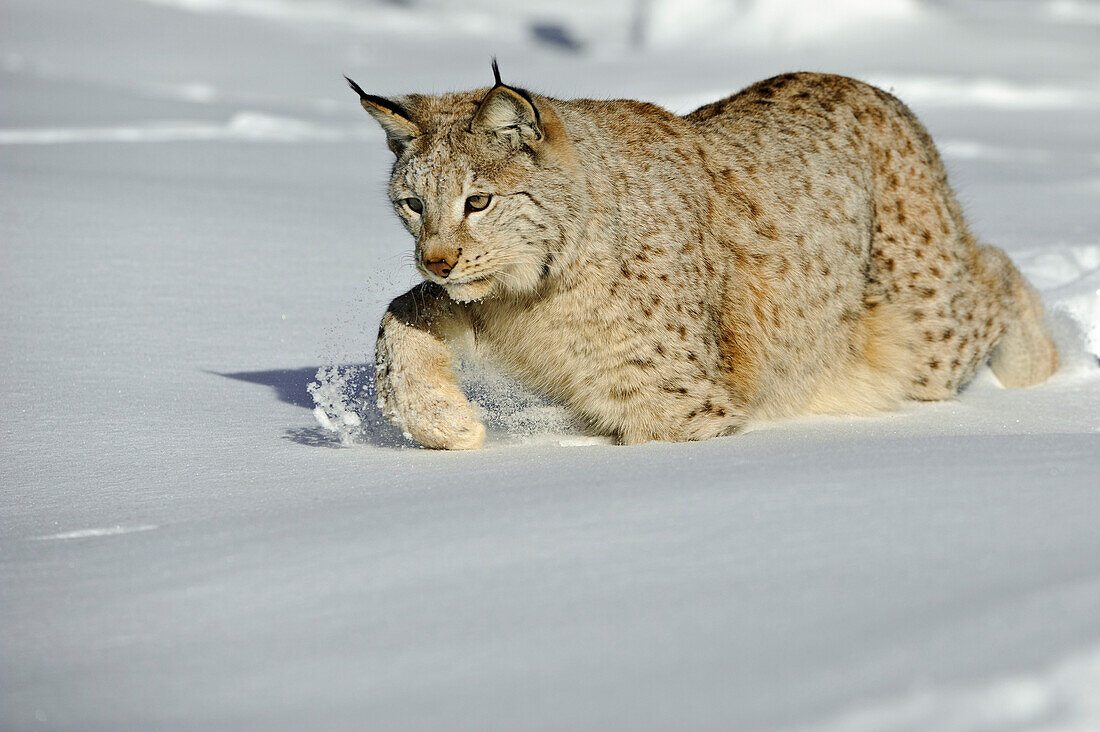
column 792, row 249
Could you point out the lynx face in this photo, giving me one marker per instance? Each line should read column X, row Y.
column 479, row 231
column 478, row 182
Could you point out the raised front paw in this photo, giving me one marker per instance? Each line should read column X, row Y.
column 418, row 391
column 435, row 415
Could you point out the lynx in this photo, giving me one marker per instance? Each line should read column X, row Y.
column 792, row 249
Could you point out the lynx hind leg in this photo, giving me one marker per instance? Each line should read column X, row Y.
column 417, row 388
column 1026, row 354
column 876, row 372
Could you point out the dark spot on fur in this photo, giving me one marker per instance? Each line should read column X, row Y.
column 622, row 394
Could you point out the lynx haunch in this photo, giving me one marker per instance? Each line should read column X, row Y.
column 792, row 249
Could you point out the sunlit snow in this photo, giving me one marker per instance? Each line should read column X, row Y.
column 206, row 522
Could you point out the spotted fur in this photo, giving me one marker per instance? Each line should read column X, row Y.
column 792, row 249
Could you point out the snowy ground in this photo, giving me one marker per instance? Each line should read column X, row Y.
column 192, row 223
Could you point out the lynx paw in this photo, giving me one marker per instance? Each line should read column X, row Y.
column 417, row 390
column 433, row 415
column 462, row 433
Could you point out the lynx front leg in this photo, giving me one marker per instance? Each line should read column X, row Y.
column 414, row 375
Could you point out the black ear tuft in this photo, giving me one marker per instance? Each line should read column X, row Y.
column 394, row 118
column 355, row 88
column 369, row 99
column 378, row 101
column 496, row 73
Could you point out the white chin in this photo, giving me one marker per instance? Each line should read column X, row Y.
column 470, row 291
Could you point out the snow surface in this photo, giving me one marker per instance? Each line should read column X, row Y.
column 193, row 225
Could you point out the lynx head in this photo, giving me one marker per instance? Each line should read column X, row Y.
column 482, row 181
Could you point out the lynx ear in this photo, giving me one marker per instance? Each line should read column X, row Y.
column 509, row 113
column 395, row 120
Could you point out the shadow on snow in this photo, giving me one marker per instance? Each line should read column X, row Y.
column 291, row 386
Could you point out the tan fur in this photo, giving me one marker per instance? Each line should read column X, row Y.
column 792, row 249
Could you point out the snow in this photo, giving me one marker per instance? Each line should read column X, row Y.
column 193, row 225
column 243, row 126
column 86, row 533
column 1060, row 698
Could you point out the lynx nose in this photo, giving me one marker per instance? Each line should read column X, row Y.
column 443, row 265
column 440, row 266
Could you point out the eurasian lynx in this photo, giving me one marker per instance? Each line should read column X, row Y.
column 792, row 249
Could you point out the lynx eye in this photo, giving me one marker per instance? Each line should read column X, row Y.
column 413, row 204
column 477, row 203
